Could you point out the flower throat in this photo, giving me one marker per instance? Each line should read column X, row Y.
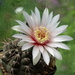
column 41, row 34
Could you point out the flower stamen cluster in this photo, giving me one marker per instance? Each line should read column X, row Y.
column 41, row 34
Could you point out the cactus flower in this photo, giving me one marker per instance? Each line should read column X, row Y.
column 42, row 35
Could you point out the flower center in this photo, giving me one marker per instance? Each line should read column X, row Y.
column 41, row 34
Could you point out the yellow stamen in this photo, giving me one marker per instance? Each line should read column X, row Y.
column 41, row 34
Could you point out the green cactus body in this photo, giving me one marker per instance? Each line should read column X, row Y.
column 18, row 62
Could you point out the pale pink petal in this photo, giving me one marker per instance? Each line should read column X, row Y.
column 35, row 19
column 20, row 36
column 61, row 38
column 60, row 45
column 35, row 61
column 27, row 46
column 28, row 40
column 24, row 27
column 28, row 19
column 46, row 57
column 50, row 50
column 49, row 19
column 38, row 14
column 54, row 20
column 45, row 17
column 51, row 29
column 24, row 37
column 57, row 54
column 35, row 51
column 59, row 30
column 21, row 43
column 18, row 28
column 41, row 48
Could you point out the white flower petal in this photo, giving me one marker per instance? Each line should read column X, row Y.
column 23, row 37
column 28, row 40
column 21, row 43
column 27, row 46
column 18, row 28
column 59, row 30
column 41, row 48
column 61, row 38
column 54, row 27
column 34, row 19
column 46, row 57
column 49, row 19
column 24, row 27
column 57, row 54
column 54, row 20
column 45, row 17
column 60, row 45
column 35, row 51
column 37, row 14
column 28, row 19
column 35, row 61
column 50, row 50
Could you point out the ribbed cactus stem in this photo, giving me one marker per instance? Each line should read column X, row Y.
column 18, row 62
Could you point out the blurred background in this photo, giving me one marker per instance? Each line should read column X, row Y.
column 66, row 9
